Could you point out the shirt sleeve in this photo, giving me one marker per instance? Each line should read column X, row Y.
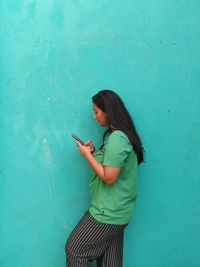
column 116, row 150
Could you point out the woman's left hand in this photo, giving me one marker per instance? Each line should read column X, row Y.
column 84, row 150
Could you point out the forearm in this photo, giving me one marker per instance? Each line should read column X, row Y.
column 107, row 173
column 96, row 166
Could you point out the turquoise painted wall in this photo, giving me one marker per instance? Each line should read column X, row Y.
column 54, row 55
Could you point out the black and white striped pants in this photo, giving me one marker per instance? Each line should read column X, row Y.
column 91, row 240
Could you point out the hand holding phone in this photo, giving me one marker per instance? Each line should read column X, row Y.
column 88, row 143
column 92, row 148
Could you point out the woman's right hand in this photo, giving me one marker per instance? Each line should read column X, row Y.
column 90, row 144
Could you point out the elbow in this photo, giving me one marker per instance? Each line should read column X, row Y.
column 109, row 180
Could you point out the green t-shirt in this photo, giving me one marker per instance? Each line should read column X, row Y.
column 114, row 204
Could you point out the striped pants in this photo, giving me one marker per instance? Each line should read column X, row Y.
column 91, row 240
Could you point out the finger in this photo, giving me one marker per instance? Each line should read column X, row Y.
column 88, row 143
column 78, row 143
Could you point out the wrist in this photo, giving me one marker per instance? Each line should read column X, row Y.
column 88, row 155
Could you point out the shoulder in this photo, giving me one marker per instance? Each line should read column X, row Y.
column 118, row 138
column 117, row 148
column 118, row 134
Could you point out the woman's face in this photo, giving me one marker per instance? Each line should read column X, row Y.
column 99, row 116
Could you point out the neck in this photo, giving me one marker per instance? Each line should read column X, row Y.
column 112, row 128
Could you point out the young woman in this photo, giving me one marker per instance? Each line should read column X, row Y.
column 99, row 234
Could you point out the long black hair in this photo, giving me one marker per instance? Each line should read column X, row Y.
column 118, row 116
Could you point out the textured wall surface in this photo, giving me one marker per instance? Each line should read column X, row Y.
column 54, row 55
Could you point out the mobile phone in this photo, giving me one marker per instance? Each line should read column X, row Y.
column 78, row 139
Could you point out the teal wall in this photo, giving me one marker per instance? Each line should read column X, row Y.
column 54, row 55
